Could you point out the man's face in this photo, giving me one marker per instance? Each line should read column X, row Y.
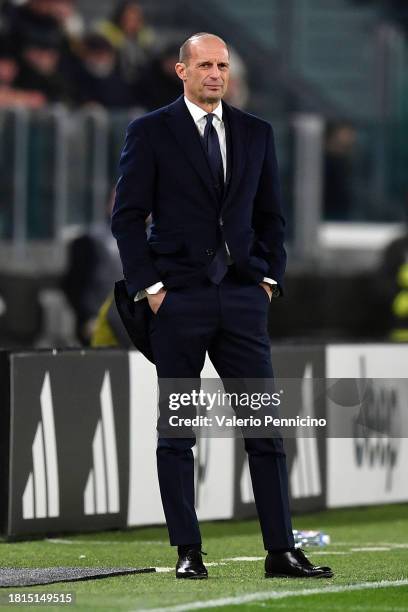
column 8, row 70
column 100, row 62
column 132, row 19
column 206, row 73
column 43, row 60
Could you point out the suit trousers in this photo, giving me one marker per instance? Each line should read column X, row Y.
column 229, row 321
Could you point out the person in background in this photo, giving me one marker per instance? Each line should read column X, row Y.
column 93, row 266
column 108, row 330
column 338, row 171
column 129, row 34
column 72, row 27
column 68, row 16
column 10, row 96
column 39, row 64
column 159, row 84
column 392, row 278
column 237, row 93
column 8, row 65
column 24, row 20
column 97, row 76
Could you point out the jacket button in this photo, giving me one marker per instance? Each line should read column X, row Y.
column 209, row 251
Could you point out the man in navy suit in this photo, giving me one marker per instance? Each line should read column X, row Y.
column 208, row 174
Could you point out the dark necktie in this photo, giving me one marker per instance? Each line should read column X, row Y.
column 212, row 145
column 219, row 265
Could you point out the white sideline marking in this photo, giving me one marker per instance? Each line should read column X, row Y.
column 328, row 552
column 244, row 559
column 265, row 595
column 163, row 570
column 80, row 542
column 370, row 549
column 309, row 550
column 355, row 544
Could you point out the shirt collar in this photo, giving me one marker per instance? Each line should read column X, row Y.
column 198, row 113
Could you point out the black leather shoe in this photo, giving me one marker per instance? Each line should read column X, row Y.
column 190, row 565
column 293, row 564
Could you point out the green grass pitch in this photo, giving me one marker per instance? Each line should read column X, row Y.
column 369, row 545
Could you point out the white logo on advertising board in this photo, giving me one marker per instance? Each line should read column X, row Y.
column 41, row 493
column 367, row 464
column 305, row 473
column 101, row 494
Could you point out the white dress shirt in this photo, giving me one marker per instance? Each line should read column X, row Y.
column 199, row 115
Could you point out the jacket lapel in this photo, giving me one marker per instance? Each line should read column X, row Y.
column 182, row 126
column 229, row 155
column 237, row 147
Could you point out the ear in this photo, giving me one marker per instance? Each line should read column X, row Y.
column 180, row 69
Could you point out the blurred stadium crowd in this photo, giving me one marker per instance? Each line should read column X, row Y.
column 49, row 55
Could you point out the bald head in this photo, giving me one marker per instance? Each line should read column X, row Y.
column 204, row 69
column 188, row 45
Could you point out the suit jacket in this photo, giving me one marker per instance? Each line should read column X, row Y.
column 164, row 171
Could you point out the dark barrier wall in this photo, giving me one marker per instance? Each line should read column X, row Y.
column 4, row 436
